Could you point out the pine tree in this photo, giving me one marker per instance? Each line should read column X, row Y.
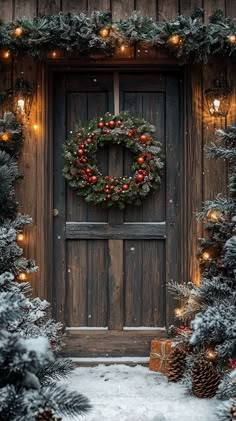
column 210, row 308
column 29, row 337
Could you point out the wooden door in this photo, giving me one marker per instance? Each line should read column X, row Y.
column 111, row 267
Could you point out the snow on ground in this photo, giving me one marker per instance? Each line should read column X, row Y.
column 123, row 393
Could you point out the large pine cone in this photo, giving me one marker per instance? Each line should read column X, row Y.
column 205, row 379
column 176, row 365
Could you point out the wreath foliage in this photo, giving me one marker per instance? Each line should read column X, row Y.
column 81, row 169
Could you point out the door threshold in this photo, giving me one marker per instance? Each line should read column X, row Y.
column 132, row 361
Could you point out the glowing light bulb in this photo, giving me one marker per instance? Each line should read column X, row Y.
column 54, row 54
column 18, row 32
column 216, row 104
column 104, row 32
column 211, row 355
column 122, row 48
column 178, row 312
column 174, row 39
column 232, row 38
column 205, row 256
column 5, row 137
column 22, row 276
column 35, row 126
column 6, row 54
column 21, row 105
column 20, row 237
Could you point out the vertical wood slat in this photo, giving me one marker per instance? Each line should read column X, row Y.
column 25, row 8
column 104, row 5
column 122, row 9
column 210, row 6
column 147, row 8
column 74, row 6
column 7, row 11
column 59, row 252
column 230, row 9
column 115, row 247
column 168, row 9
column 193, row 197
column 188, row 6
column 48, row 7
column 173, row 197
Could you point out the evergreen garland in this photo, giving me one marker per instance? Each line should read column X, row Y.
column 187, row 38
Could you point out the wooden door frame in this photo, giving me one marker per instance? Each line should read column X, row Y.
column 51, row 70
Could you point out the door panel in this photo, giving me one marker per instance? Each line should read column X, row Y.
column 111, row 266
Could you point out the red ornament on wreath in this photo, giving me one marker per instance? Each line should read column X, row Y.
column 105, row 189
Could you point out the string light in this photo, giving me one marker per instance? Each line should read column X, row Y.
column 54, row 54
column 122, row 48
column 232, row 38
column 178, row 312
column 20, row 237
column 213, row 215
column 104, row 32
column 211, row 355
column 205, row 255
column 174, row 39
column 18, row 31
column 6, row 54
column 22, row 276
column 35, row 126
column 5, row 137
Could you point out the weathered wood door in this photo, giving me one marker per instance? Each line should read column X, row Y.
column 111, row 267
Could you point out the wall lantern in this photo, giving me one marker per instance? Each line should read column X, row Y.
column 218, row 98
column 20, row 98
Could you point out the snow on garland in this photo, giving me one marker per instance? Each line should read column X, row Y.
column 188, row 38
column 81, row 168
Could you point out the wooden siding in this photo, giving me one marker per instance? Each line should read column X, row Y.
column 203, row 178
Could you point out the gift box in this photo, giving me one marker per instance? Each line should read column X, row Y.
column 159, row 355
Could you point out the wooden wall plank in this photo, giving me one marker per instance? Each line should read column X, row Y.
column 168, row 9
column 48, row 7
column 116, row 285
column 74, row 6
column 210, row 6
column 25, row 8
column 122, row 9
column 7, row 10
column 147, row 8
column 188, row 6
column 103, row 5
column 230, row 9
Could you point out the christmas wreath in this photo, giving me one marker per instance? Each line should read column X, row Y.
column 81, row 168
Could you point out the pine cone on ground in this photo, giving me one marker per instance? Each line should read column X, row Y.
column 205, row 379
column 47, row 415
column 176, row 365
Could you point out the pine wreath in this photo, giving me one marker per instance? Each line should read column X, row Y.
column 81, row 169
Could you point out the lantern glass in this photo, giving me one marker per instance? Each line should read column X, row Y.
column 218, row 98
column 20, row 98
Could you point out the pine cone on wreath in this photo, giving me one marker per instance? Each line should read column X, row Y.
column 233, row 412
column 176, row 365
column 47, row 415
column 205, row 379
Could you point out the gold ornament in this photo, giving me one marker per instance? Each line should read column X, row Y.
column 104, row 32
column 178, row 312
column 18, row 31
column 5, row 137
